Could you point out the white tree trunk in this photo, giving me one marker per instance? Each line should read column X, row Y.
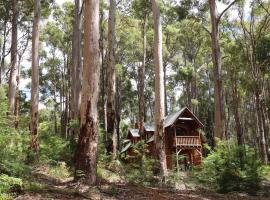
column 34, row 145
column 86, row 152
column 111, row 120
column 76, row 67
column 14, row 56
column 159, row 89
column 142, row 78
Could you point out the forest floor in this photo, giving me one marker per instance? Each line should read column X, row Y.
column 52, row 188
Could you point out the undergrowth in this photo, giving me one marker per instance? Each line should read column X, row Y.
column 223, row 171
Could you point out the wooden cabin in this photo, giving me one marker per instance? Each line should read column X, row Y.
column 183, row 139
column 133, row 137
column 149, row 130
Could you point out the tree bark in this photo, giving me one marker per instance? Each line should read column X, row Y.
column 14, row 55
column 76, row 66
column 141, row 79
column 216, row 58
column 237, row 118
column 86, row 151
column 263, row 146
column 34, row 144
column 3, row 49
column 159, row 89
column 102, row 76
column 17, row 97
column 165, row 91
column 111, row 121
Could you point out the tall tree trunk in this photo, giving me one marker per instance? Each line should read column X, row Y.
column 237, row 118
column 76, row 66
column 17, row 98
column 34, row 144
column 86, row 152
column 102, row 75
column 165, row 91
column 262, row 141
column 111, row 126
column 216, row 57
column 142, row 78
column 118, row 109
column 14, row 55
column 159, row 89
column 3, row 49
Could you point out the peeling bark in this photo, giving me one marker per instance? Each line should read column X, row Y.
column 86, row 151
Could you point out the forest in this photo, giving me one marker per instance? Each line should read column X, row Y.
column 134, row 99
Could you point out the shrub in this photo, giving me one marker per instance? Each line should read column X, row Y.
column 140, row 167
column 54, row 148
column 60, row 170
column 9, row 186
column 224, row 171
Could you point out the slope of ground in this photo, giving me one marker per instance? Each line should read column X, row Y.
column 114, row 189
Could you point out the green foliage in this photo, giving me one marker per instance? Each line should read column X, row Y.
column 12, row 144
column 8, row 185
column 140, row 168
column 222, row 170
column 60, row 170
column 74, row 124
column 54, row 148
column 3, row 110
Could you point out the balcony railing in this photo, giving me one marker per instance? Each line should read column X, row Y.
column 188, row 141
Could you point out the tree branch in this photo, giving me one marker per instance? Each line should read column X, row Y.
column 225, row 10
column 263, row 7
column 209, row 32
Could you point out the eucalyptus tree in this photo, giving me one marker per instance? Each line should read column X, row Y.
column 141, row 11
column 159, row 88
column 76, row 66
column 111, row 82
column 86, row 151
column 253, row 32
column 34, row 144
column 13, row 71
column 5, row 10
column 216, row 59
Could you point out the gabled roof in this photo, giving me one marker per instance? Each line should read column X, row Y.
column 134, row 132
column 149, row 127
column 171, row 119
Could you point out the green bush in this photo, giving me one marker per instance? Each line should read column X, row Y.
column 61, row 170
column 140, row 168
column 54, row 148
column 224, row 171
column 12, row 143
column 8, row 186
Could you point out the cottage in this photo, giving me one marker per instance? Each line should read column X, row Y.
column 182, row 138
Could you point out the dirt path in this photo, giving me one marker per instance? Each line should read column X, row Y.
column 71, row 190
column 55, row 189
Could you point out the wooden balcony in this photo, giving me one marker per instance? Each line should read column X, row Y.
column 188, row 141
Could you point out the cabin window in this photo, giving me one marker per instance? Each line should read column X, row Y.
column 181, row 131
